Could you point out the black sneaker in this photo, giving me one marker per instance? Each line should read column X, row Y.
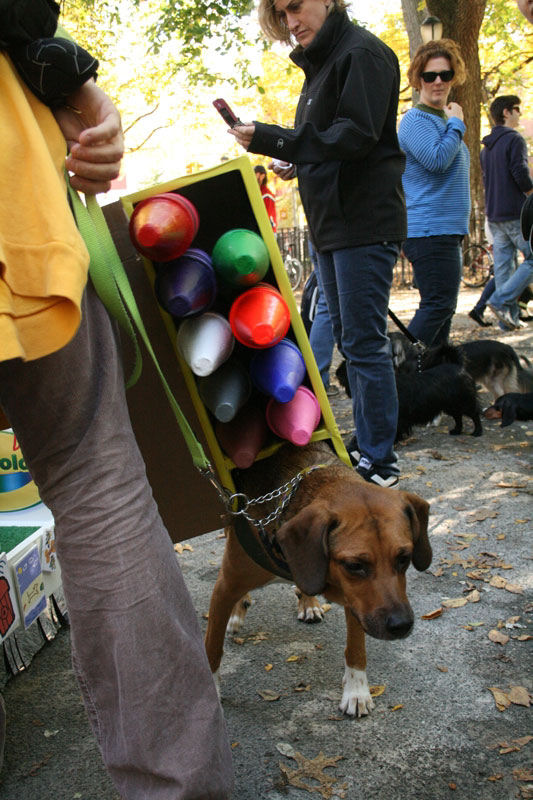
column 372, row 475
column 353, row 450
column 479, row 319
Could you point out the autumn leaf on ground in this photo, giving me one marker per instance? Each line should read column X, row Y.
column 520, row 696
column 454, row 602
column 514, row 588
column 517, row 695
column 473, row 596
column 268, row 695
column 313, row 769
column 179, row 548
column 481, row 515
column 501, row 699
column 498, row 637
column 433, row 614
column 498, row 582
column 523, row 774
column 376, row 691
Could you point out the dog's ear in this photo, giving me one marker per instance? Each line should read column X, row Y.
column 508, row 408
column 417, row 511
column 304, row 541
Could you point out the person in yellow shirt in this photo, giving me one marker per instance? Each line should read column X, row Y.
column 136, row 645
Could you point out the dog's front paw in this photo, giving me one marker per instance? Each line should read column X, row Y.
column 238, row 614
column 356, row 700
column 309, row 608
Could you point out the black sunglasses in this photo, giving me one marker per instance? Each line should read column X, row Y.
column 430, row 77
column 516, row 108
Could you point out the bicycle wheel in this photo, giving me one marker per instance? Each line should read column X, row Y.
column 295, row 271
column 477, row 265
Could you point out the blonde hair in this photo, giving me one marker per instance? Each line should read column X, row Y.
column 275, row 29
column 440, row 48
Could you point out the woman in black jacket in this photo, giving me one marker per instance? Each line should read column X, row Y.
column 349, row 165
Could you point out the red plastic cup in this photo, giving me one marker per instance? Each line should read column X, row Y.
column 259, row 317
column 244, row 436
column 295, row 420
column 162, row 227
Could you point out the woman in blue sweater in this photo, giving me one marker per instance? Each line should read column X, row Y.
column 436, row 186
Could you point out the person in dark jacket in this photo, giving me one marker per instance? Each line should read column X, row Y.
column 345, row 152
column 507, row 181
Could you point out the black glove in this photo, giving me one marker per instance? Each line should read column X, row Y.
column 53, row 68
column 22, row 21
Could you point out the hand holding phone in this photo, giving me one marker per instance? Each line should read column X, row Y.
column 226, row 113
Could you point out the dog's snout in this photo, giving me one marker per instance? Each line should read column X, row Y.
column 389, row 622
column 399, row 624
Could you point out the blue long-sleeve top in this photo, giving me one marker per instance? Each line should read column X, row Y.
column 436, row 179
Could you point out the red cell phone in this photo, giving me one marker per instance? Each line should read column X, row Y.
column 226, row 113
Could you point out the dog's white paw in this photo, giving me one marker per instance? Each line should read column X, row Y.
column 234, row 624
column 356, row 700
column 238, row 614
column 309, row 608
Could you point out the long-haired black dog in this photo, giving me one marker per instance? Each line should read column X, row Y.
column 427, row 389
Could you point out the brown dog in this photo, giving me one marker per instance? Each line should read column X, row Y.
column 343, row 538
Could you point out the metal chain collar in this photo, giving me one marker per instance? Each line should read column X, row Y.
column 283, row 493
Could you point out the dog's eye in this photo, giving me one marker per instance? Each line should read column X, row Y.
column 359, row 569
column 402, row 562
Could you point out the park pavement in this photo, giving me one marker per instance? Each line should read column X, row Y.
column 451, row 718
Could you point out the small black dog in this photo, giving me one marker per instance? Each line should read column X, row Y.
column 510, row 407
column 495, row 365
column 422, row 396
column 444, row 388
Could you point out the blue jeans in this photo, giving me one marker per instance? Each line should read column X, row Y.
column 321, row 333
column 510, row 282
column 485, row 296
column 356, row 283
column 437, row 265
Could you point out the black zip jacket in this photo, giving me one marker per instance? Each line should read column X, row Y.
column 344, row 143
column 51, row 67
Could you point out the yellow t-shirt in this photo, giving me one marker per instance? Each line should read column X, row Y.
column 43, row 259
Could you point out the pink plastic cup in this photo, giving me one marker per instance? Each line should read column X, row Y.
column 259, row 317
column 295, row 420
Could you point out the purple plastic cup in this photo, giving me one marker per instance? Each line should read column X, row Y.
column 187, row 286
column 279, row 370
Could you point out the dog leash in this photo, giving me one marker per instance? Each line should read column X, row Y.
column 406, row 332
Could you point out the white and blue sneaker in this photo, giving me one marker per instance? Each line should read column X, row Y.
column 372, row 474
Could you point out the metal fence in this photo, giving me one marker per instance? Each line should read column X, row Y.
column 294, row 242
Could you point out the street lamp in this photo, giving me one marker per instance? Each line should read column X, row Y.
column 431, row 29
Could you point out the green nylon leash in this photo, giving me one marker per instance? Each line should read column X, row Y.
column 113, row 287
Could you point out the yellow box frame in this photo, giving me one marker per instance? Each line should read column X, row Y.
column 329, row 429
